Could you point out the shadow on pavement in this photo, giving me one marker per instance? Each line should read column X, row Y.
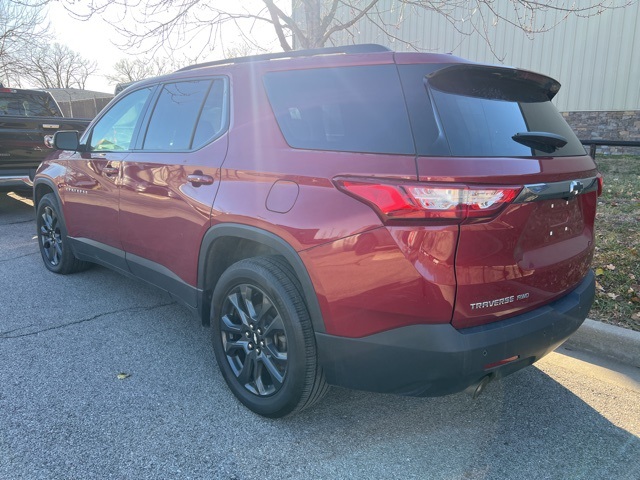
column 15, row 208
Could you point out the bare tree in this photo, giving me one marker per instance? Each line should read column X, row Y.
column 173, row 24
column 240, row 50
column 22, row 29
column 57, row 66
column 128, row 70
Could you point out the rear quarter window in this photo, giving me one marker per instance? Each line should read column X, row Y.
column 352, row 109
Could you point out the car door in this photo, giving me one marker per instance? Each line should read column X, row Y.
column 93, row 178
column 170, row 180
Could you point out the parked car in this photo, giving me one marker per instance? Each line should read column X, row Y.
column 407, row 223
column 28, row 121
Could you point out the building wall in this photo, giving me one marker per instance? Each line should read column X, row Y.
column 79, row 103
column 610, row 125
column 596, row 59
column 83, row 108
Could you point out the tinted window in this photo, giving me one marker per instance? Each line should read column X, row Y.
column 429, row 139
column 174, row 123
column 481, row 127
column 481, row 109
column 354, row 109
column 114, row 130
column 28, row 104
column 214, row 117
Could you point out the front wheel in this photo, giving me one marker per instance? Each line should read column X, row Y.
column 52, row 238
column 263, row 339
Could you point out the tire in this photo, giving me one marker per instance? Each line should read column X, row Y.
column 52, row 238
column 263, row 339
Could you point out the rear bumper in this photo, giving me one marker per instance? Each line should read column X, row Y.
column 432, row 360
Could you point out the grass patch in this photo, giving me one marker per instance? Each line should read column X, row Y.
column 617, row 257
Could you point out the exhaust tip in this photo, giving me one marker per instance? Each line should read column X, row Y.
column 477, row 388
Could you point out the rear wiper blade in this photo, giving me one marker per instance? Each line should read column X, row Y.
column 544, row 141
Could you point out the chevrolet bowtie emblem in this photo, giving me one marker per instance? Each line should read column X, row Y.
column 576, row 187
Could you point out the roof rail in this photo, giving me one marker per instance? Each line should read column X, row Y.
column 362, row 48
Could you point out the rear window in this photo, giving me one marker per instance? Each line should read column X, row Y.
column 475, row 111
column 27, row 104
column 352, row 109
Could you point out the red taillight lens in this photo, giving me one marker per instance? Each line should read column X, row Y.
column 407, row 201
column 600, row 184
column 390, row 200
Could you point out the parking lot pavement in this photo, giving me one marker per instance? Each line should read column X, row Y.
column 105, row 377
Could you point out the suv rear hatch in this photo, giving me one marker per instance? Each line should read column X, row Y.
column 490, row 138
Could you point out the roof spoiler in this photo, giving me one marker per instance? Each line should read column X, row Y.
column 480, row 80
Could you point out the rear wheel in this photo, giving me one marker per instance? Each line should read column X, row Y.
column 52, row 238
column 263, row 338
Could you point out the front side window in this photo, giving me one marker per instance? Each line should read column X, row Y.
column 114, row 131
column 187, row 115
column 352, row 109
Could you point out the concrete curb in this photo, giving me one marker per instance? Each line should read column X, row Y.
column 610, row 341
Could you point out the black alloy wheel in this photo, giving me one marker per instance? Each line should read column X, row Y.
column 263, row 338
column 52, row 238
column 254, row 340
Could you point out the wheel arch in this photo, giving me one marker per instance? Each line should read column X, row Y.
column 224, row 245
column 41, row 187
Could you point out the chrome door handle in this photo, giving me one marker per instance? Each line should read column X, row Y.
column 199, row 179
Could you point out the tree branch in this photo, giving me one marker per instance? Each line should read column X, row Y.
column 353, row 21
column 275, row 14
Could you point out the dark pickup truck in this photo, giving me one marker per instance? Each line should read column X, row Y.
column 28, row 120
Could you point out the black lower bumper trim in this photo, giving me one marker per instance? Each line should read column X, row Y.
column 432, row 360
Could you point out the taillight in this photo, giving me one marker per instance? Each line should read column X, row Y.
column 600, row 184
column 415, row 201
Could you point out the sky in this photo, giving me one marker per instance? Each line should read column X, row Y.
column 95, row 40
column 92, row 39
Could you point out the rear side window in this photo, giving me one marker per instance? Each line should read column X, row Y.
column 187, row 115
column 31, row 104
column 214, row 115
column 352, row 109
column 481, row 109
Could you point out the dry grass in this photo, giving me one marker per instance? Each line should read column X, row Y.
column 617, row 257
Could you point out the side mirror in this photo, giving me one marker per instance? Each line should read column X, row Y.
column 66, row 140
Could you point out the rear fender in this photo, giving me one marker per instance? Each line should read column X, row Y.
column 269, row 244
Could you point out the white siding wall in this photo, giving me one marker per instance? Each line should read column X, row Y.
column 596, row 59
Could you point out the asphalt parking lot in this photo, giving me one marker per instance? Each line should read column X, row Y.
column 104, row 377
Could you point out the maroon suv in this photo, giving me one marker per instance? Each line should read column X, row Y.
column 392, row 222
